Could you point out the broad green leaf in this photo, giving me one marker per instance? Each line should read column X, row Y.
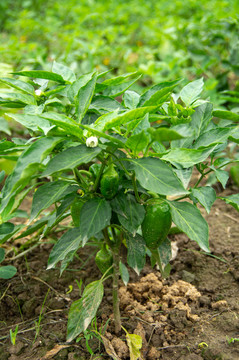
column 7, row 272
column 32, row 228
column 27, row 166
column 48, row 194
column 131, row 99
column 72, row 90
column 6, row 228
column 70, row 158
column 2, row 254
column 63, row 122
column 184, row 175
column 134, row 343
column 64, row 71
column 104, row 104
column 164, row 134
column 2, row 175
column 160, row 96
column 233, row 200
column 189, row 219
column 206, row 196
column 19, row 85
column 69, row 242
column 113, row 82
column 136, row 252
column 100, row 123
column 201, row 118
column 32, row 122
column 213, row 137
column 186, row 158
column 227, row 115
column 94, row 217
column 4, row 126
column 18, row 97
column 138, row 142
column 41, row 74
column 84, row 310
column 117, row 90
column 124, row 274
column 191, row 91
column 154, row 175
column 130, row 213
column 167, row 86
column 129, row 116
column 222, row 176
column 84, row 97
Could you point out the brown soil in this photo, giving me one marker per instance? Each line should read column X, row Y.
column 191, row 316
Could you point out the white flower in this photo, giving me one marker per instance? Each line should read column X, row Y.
column 38, row 92
column 92, row 141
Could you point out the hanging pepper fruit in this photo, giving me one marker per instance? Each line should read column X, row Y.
column 109, row 182
column 104, row 260
column 157, row 223
column 94, row 169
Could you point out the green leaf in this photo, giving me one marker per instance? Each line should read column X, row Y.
column 206, row 196
column 70, row 158
column 130, row 213
column 222, row 176
column 189, row 219
column 32, row 122
column 4, row 126
column 36, row 226
column 6, row 228
column 19, row 85
column 104, row 104
column 18, row 97
column 138, row 142
column 191, row 91
column 136, row 252
column 123, row 273
column 233, row 200
column 63, row 122
column 67, row 74
column 165, row 88
column 213, row 137
column 104, row 135
column 40, row 74
column 227, row 115
column 187, row 157
column 95, row 216
column 117, row 90
column 154, row 175
column 27, row 166
column 48, row 194
column 184, row 175
column 201, row 118
column 2, row 254
column 73, row 89
column 7, row 272
column 134, row 343
column 68, row 243
column 100, row 123
column 164, row 134
column 84, row 97
column 84, row 310
column 129, row 116
column 131, row 99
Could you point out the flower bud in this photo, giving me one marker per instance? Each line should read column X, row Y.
column 38, row 92
column 92, row 141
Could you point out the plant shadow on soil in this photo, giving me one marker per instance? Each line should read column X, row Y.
column 192, row 315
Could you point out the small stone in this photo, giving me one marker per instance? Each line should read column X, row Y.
column 221, row 304
column 187, row 276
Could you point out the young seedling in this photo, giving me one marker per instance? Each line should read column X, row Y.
column 121, row 169
column 13, row 335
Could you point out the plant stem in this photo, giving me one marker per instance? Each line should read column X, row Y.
column 133, row 179
column 116, row 301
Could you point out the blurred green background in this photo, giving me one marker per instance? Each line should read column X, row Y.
column 162, row 39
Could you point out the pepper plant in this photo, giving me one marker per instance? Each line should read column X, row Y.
column 116, row 161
